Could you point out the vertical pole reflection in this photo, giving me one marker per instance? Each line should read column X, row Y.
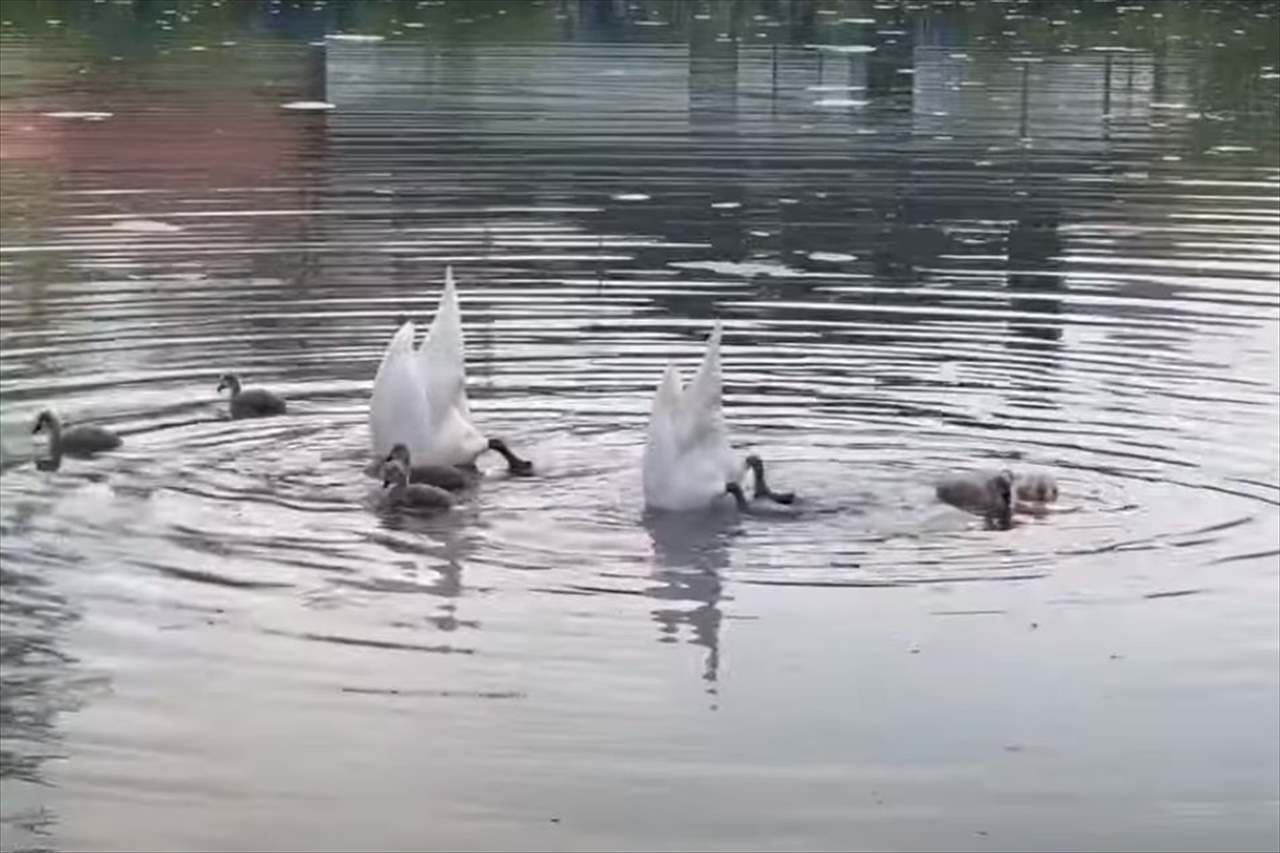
column 1106, row 97
column 1026, row 85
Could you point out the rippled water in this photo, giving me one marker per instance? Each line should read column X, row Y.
column 947, row 237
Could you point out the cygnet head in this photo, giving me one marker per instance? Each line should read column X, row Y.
column 394, row 474
column 229, row 380
column 45, row 420
column 400, row 454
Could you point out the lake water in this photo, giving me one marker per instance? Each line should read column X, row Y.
column 1043, row 237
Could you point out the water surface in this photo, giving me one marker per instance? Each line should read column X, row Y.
column 941, row 237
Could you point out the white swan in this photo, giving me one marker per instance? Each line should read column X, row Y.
column 688, row 463
column 420, row 398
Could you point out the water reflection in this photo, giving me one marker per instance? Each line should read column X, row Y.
column 1036, row 282
column 37, row 681
column 691, row 550
column 438, row 546
column 941, row 236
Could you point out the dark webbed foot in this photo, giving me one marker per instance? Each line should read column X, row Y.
column 517, row 466
column 762, row 490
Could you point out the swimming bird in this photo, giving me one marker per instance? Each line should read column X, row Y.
column 80, row 440
column 688, row 463
column 987, row 495
column 420, row 398
column 398, row 492
column 448, row 477
column 252, row 403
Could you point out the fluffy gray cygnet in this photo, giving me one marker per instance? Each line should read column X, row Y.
column 250, row 403
column 398, row 492
column 81, row 440
column 440, row 476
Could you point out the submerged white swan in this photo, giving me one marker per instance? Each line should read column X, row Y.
column 688, row 463
column 420, row 398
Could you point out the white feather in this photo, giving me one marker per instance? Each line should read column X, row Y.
column 441, row 356
column 398, row 411
column 687, row 458
column 419, row 396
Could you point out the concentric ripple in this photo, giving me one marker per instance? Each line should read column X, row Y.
column 940, row 238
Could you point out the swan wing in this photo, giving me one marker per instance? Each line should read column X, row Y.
column 398, row 410
column 441, row 357
column 685, row 453
column 665, row 411
column 452, row 438
column 701, row 429
column 661, row 463
column 703, row 393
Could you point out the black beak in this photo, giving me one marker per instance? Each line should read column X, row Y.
column 739, row 498
column 39, row 426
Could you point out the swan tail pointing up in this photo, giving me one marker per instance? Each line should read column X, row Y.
column 441, row 357
column 398, row 410
column 702, row 421
column 687, row 461
column 666, row 401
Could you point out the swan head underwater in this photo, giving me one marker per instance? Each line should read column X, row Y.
column 420, row 398
column 688, row 463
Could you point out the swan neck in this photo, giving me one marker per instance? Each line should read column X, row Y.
column 54, row 427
